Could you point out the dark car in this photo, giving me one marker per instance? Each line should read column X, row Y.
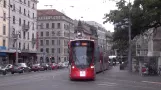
column 45, row 66
column 20, row 68
column 17, row 69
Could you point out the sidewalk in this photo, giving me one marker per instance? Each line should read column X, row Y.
column 116, row 73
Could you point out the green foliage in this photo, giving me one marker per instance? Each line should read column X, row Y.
column 144, row 14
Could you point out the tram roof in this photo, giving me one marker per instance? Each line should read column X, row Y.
column 82, row 39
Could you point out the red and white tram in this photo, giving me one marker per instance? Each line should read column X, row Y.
column 86, row 59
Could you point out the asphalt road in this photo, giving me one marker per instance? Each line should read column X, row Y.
column 58, row 80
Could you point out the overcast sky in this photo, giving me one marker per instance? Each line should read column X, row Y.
column 90, row 10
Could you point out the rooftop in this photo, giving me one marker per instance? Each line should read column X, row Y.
column 49, row 12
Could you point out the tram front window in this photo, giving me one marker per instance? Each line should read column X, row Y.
column 82, row 56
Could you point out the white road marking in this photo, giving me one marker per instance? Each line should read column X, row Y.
column 106, row 85
column 151, row 82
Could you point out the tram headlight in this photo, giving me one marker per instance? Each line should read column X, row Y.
column 73, row 67
column 92, row 66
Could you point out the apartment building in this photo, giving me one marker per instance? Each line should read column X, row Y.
column 55, row 29
column 22, row 30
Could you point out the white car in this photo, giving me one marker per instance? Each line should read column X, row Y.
column 65, row 64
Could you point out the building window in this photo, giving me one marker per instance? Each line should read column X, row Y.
column 4, row 3
column 53, row 25
column 58, row 42
column 47, row 33
column 24, row 22
column 47, row 50
column 4, row 16
column 14, row 7
column 25, row 12
column 33, row 15
column 24, row 46
column 47, row 25
column 28, row 24
column 53, row 50
column 4, row 43
column 4, row 29
column 47, row 42
column 33, row 6
column 20, row 10
column 64, row 26
column 41, row 26
column 24, row 1
column 20, row 34
column 28, row 3
column 138, row 52
column 24, row 35
column 33, row 35
column 33, row 26
column 41, row 34
column 28, row 46
column 58, row 25
column 41, row 49
column 28, row 36
column 58, row 33
column 13, row 45
column 58, row 50
column 53, row 42
column 19, row 21
column 28, row 13
column 19, row 45
column 53, row 33
column 41, row 42
column 13, row 19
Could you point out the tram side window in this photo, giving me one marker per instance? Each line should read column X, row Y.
column 96, row 55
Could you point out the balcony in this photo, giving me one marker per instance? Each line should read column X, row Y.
column 25, row 28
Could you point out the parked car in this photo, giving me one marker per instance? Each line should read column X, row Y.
column 60, row 65
column 65, row 64
column 17, row 69
column 35, row 67
column 5, row 69
column 53, row 66
column 20, row 68
column 45, row 66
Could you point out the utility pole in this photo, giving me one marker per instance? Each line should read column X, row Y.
column 16, row 41
column 129, row 53
column 9, row 26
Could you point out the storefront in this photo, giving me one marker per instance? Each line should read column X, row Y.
column 3, row 55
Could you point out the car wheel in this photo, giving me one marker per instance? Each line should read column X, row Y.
column 12, row 72
column 4, row 73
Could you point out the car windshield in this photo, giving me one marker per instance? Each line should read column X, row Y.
column 22, row 64
column 36, row 64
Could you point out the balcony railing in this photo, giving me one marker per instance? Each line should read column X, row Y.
column 25, row 27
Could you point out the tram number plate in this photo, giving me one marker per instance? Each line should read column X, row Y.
column 82, row 73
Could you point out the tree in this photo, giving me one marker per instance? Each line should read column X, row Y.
column 144, row 14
